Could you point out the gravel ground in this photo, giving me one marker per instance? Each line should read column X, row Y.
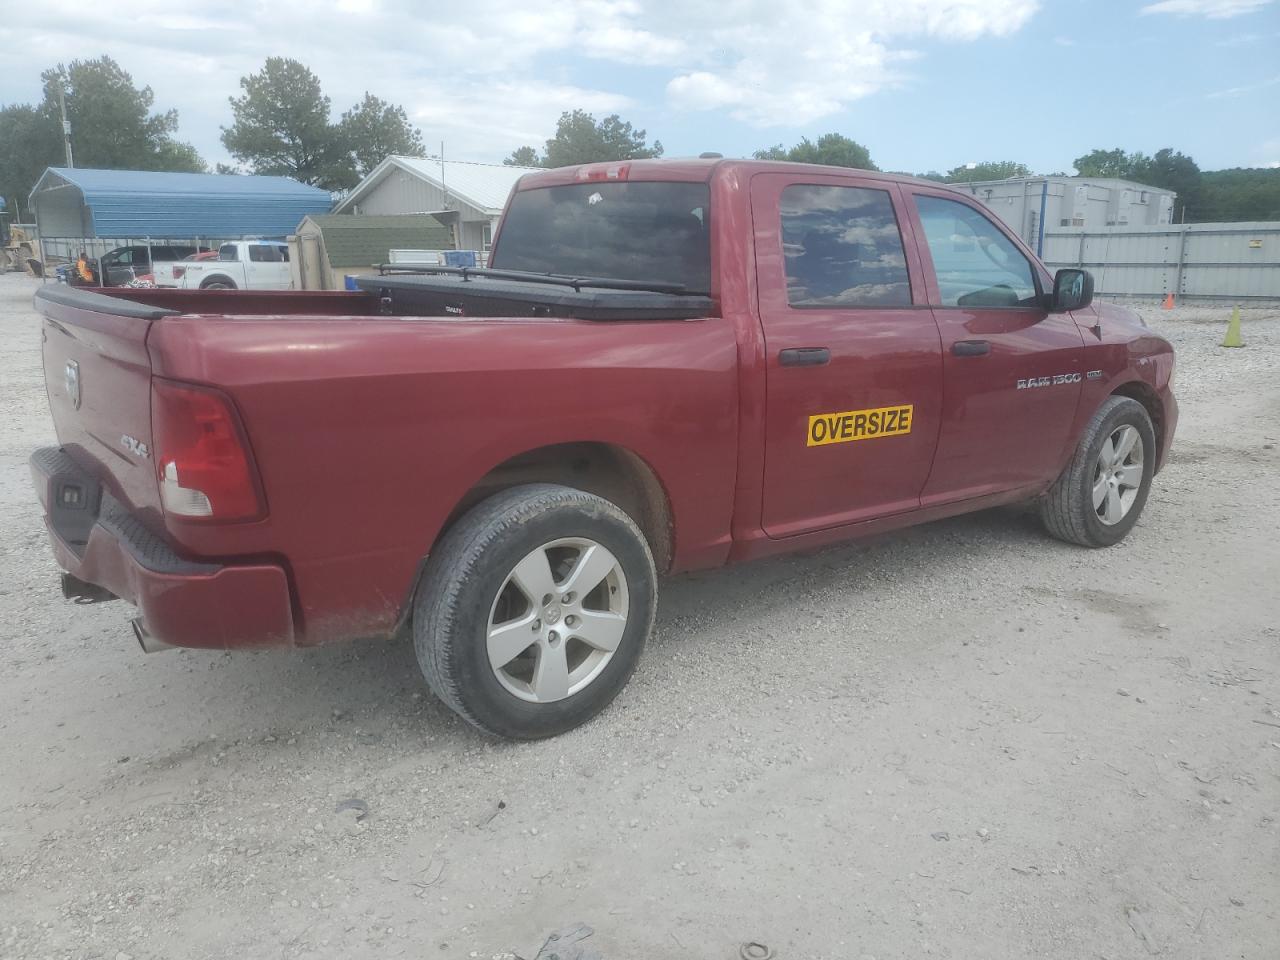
column 965, row 740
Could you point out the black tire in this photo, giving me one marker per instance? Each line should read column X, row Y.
column 461, row 584
column 217, row 285
column 1067, row 510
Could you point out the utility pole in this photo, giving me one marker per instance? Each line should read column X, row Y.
column 66, row 126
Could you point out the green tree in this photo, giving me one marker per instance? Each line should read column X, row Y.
column 990, row 170
column 523, row 157
column 1105, row 163
column 374, row 130
column 581, row 139
column 1240, row 194
column 830, row 149
column 776, row 152
column 1177, row 172
column 29, row 142
column 281, row 127
column 112, row 125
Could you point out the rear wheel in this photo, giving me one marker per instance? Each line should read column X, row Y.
column 218, row 285
column 534, row 609
column 1101, row 493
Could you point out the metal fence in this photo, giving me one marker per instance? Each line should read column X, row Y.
column 1196, row 261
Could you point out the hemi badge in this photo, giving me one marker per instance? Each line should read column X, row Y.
column 1094, row 374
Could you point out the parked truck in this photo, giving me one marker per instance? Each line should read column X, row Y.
column 240, row 265
column 668, row 366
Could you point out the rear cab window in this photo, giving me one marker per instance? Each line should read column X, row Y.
column 654, row 231
column 228, row 252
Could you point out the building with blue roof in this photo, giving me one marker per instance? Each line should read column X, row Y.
column 83, row 204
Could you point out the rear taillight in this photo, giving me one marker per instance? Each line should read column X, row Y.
column 203, row 461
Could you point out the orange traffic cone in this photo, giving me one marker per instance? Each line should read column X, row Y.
column 1168, row 301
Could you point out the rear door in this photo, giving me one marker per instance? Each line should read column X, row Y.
column 853, row 374
column 268, row 267
column 1012, row 370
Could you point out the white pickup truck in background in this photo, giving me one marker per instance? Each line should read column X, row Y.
column 241, row 265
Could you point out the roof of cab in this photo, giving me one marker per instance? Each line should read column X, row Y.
column 703, row 168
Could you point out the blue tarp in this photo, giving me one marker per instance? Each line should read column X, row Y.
column 141, row 203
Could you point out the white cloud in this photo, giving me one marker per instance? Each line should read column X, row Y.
column 789, row 62
column 1240, row 91
column 488, row 79
column 1214, row 9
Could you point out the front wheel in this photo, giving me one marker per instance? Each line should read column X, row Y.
column 534, row 609
column 1101, row 493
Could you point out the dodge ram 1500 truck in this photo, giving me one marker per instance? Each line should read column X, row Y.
column 668, row 365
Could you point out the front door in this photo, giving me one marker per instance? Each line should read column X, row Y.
column 853, row 363
column 1012, row 370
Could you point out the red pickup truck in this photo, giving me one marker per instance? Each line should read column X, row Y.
column 669, row 365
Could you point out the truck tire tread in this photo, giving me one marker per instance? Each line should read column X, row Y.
column 1064, row 509
column 446, row 594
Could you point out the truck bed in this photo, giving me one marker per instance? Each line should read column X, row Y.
column 367, row 430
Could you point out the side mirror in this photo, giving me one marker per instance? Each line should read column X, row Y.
column 1072, row 290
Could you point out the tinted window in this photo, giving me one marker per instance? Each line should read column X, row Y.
column 228, row 252
column 976, row 264
column 622, row 231
column 265, row 253
column 842, row 248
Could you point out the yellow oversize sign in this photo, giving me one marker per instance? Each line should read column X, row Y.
column 850, row 425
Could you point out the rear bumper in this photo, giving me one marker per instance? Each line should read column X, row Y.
column 180, row 602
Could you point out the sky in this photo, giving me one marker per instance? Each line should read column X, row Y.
column 925, row 84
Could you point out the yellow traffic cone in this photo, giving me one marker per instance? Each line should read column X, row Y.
column 1232, row 339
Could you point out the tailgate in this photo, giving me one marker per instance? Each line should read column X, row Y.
column 98, row 378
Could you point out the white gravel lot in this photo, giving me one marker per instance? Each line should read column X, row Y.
column 961, row 741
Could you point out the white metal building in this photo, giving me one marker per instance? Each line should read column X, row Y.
column 1032, row 205
column 468, row 197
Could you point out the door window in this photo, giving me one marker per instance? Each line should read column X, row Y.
column 267, row 253
column 228, row 252
column 842, row 248
column 975, row 263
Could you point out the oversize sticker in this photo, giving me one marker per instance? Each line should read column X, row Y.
column 851, row 425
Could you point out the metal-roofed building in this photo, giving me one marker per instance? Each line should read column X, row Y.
column 84, row 204
column 467, row 196
column 328, row 247
column 1032, row 205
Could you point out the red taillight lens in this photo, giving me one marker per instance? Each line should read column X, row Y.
column 203, row 462
column 604, row 171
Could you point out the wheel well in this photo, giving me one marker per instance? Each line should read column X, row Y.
column 610, row 472
column 1146, row 395
column 210, row 281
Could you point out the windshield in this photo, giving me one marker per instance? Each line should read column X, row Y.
column 621, row 231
